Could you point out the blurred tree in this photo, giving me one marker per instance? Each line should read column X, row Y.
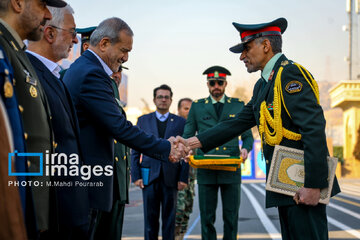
column 241, row 93
column 357, row 146
column 146, row 109
column 338, row 153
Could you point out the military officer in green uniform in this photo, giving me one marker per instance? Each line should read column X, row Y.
column 20, row 20
column 110, row 224
column 205, row 113
column 285, row 107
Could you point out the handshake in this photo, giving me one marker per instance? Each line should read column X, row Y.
column 182, row 148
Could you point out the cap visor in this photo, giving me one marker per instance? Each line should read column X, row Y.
column 56, row 3
column 237, row 48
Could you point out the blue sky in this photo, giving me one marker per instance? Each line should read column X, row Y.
column 176, row 40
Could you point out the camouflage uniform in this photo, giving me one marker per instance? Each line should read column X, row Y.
column 184, row 206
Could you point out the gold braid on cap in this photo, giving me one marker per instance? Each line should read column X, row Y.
column 274, row 137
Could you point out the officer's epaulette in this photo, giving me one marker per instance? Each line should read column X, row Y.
column 286, row 63
column 233, row 100
column 201, row 100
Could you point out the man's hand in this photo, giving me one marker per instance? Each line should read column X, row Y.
column 181, row 185
column 244, row 154
column 178, row 149
column 307, row 196
column 139, row 183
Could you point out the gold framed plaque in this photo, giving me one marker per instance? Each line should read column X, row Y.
column 287, row 173
column 216, row 162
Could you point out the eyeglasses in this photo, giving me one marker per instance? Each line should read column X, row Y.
column 162, row 97
column 212, row 82
column 72, row 32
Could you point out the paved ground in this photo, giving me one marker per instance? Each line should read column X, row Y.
column 256, row 222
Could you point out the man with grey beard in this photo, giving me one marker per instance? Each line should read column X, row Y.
column 58, row 38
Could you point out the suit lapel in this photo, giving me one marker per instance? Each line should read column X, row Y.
column 57, row 87
column 209, row 108
column 154, row 123
column 169, row 126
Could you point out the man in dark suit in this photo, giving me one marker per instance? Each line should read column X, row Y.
column 110, row 224
column 20, row 20
column 285, row 106
column 58, row 38
column 88, row 80
column 159, row 181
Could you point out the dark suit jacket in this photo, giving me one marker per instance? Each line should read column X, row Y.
column 72, row 201
column 101, row 121
column 307, row 118
column 173, row 173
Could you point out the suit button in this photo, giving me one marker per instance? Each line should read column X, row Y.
column 267, row 161
column 116, row 159
column 115, row 141
column 21, row 109
column 50, row 117
column 217, row 149
column 28, row 163
column 25, row 136
column 224, row 148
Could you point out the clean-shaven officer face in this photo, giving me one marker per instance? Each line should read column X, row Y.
column 162, row 100
column 254, row 56
column 65, row 37
column 184, row 109
column 33, row 18
column 118, row 53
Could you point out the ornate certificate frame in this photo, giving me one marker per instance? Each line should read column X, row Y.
column 287, row 173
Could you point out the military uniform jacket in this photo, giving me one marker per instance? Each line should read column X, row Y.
column 122, row 162
column 35, row 114
column 307, row 118
column 202, row 116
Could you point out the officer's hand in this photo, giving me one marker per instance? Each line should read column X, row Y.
column 181, row 185
column 244, row 154
column 139, row 183
column 178, row 150
column 307, row 196
column 193, row 143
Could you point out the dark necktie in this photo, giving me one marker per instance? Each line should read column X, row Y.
column 218, row 108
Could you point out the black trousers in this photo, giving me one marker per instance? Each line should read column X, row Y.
column 300, row 222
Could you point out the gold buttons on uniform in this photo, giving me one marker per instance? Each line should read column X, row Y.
column 25, row 136
column 14, row 82
column 224, row 148
column 28, row 163
column 217, row 149
column 267, row 161
column 116, row 159
column 115, row 141
column 54, row 144
column 124, row 157
column 21, row 109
